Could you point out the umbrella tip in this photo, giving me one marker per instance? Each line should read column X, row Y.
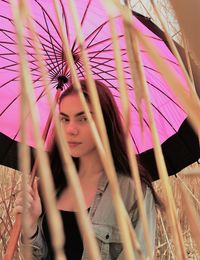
column 61, row 81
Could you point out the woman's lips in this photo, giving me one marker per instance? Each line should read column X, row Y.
column 73, row 144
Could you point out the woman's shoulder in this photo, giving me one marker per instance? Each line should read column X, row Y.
column 125, row 180
column 128, row 182
column 127, row 188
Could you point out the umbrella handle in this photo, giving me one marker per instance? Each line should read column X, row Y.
column 15, row 232
column 14, row 236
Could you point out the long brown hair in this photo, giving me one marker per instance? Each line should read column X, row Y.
column 115, row 133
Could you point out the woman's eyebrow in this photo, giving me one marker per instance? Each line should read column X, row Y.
column 63, row 114
column 82, row 113
column 76, row 115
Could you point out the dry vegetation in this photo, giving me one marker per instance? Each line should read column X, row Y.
column 10, row 180
column 9, row 184
column 165, row 247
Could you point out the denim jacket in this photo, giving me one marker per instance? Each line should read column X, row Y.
column 104, row 222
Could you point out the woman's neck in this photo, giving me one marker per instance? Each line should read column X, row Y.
column 90, row 164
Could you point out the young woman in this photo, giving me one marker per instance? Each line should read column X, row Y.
column 93, row 181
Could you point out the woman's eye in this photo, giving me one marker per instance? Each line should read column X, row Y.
column 64, row 119
column 83, row 119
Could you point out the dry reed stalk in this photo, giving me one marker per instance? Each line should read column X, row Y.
column 190, row 104
column 189, row 190
column 188, row 61
column 189, row 79
column 161, row 242
column 157, row 149
column 192, row 216
column 24, row 164
column 125, row 108
column 126, row 115
column 46, row 84
column 158, row 153
column 75, row 185
column 47, row 184
column 187, row 13
column 161, row 166
column 86, row 230
column 108, row 163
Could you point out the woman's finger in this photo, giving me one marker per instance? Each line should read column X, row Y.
column 17, row 210
column 35, row 188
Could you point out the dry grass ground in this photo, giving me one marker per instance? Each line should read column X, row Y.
column 9, row 184
column 164, row 241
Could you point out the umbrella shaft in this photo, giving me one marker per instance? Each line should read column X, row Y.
column 14, row 236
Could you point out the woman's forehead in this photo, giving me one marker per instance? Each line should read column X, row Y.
column 72, row 104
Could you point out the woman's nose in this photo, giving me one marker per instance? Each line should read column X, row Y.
column 71, row 129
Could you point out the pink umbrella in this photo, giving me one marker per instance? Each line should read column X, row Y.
column 168, row 113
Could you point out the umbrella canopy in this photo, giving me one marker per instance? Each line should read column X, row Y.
column 168, row 113
column 179, row 151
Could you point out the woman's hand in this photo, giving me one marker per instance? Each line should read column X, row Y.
column 33, row 206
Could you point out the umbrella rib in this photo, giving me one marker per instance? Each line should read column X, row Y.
column 159, row 112
column 5, row 67
column 89, row 46
column 103, row 71
column 104, row 63
column 40, row 25
column 136, row 146
column 67, row 33
column 2, row 44
column 98, row 30
column 53, row 24
column 113, row 87
column 2, row 112
column 9, row 64
column 85, row 13
column 50, row 39
column 154, row 86
column 13, row 79
column 113, row 69
column 34, row 62
column 6, row 33
column 101, row 51
column 38, row 98
column 30, row 45
column 102, row 41
column 105, row 51
column 81, row 23
column 80, row 68
column 56, row 69
column 94, row 35
column 112, row 77
column 6, row 47
column 66, row 24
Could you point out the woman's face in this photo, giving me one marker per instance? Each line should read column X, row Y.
column 76, row 127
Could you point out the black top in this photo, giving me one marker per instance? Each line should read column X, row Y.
column 73, row 242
